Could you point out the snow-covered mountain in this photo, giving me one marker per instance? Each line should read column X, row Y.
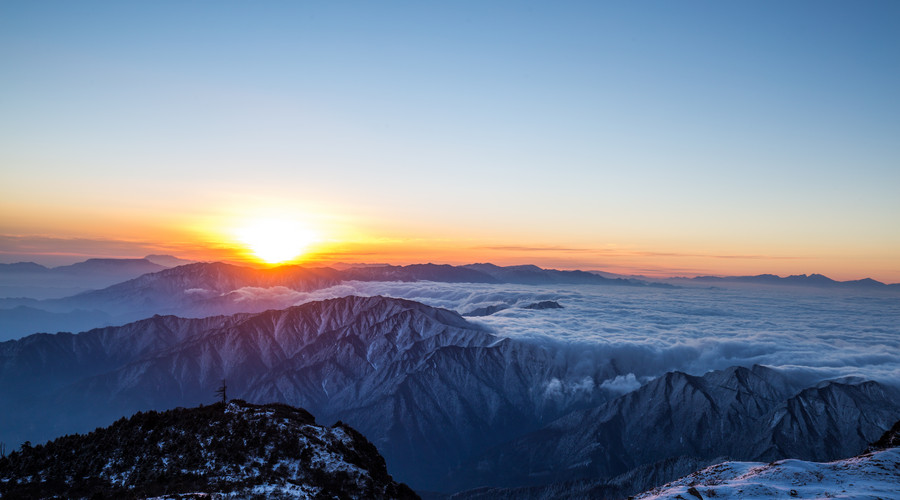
column 427, row 387
column 451, row 405
column 874, row 474
column 236, row 449
column 679, row 415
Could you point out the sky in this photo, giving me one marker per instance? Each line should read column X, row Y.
column 657, row 138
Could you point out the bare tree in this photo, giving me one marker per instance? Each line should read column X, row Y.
column 221, row 392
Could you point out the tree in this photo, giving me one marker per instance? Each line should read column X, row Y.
column 221, row 392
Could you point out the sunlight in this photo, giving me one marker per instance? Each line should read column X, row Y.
column 275, row 240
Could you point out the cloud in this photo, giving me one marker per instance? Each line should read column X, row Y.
column 622, row 384
column 644, row 332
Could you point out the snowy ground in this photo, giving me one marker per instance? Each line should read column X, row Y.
column 869, row 476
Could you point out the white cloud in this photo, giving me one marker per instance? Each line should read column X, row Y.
column 621, row 384
column 648, row 331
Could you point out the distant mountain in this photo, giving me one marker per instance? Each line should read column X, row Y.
column 238, row 449
column 427, row 387
column 486, row 310
column 533, row 275
column 418, row 272
column 206, row 289
column 93, row 267
column 679, row 415
column 873, row 474
column 27, row 279
column 168, row 260
column 811, row 280
column 196, row 290
column 23, row 267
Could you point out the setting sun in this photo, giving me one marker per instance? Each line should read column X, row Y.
column 276, row 240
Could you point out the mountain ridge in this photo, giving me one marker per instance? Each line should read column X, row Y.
column 235, row 448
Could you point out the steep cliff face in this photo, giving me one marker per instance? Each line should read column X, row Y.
column 739, row 412
column 273, row 451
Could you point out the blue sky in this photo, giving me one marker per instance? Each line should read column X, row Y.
column 693, row 128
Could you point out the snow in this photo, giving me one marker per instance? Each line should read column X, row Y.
column 872, row 475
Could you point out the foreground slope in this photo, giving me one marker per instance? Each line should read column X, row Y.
column 273, row 450
column 874, row 474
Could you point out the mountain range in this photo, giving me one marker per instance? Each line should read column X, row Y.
column 680, row 415
column 803, row 280
column 450, row 405
column 27, row 279
column 206, row 289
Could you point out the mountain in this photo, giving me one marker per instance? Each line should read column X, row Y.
column 428, row 388
column 873, row 474
column 534, row 275
column 206, row 289
column 890, row 439
column 94, row 267
column 419, row 272
column 811, row 280
column 238, row 449
column 680, row 415
column 195, row 290
column 27, row 279
column 23, row 267
column 168, row 260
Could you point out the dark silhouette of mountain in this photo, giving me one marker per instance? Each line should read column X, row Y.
column 427, row 387
column 237, row 448
column 544, row 304
column 679, row 415
column 486, row 310
column 890, row 439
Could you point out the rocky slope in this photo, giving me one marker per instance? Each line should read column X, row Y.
column 239, row 449
column 874, row 474
column 679, row 415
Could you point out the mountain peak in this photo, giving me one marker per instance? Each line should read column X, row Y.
column 236, row 448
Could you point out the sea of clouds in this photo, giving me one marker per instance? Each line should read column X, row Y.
column 813, row 334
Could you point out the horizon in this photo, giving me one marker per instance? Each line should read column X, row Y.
column 255, row 264
column 657, row 140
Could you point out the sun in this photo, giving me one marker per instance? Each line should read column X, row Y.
column 276, row 240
